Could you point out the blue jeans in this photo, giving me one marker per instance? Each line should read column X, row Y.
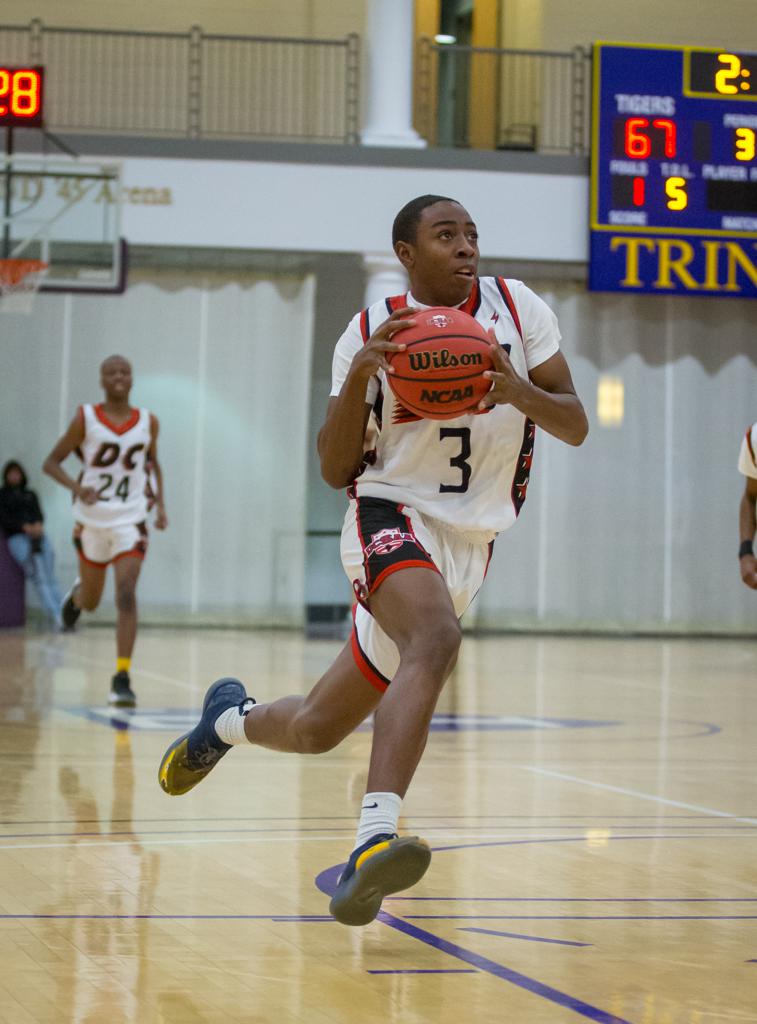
column 39, row 567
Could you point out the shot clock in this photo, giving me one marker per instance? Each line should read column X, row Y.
column 674, row 171
column 21, row 97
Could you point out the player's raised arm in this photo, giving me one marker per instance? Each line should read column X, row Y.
column 69, row 442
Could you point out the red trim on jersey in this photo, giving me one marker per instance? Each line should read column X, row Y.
column 117, row 428
column 471, row 304
column 509, row 302
column 364, row 326
column 411, row 563
column 396, row 302
column 750, row 446
column 364, row 666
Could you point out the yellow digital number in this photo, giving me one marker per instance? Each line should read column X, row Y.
column 745, row 144
column 732, row 69
column 675, row 190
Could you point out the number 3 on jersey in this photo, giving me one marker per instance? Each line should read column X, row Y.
column 459, row 461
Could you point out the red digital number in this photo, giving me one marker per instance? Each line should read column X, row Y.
column 638, row 144
column 20, row 95
column 669, row 128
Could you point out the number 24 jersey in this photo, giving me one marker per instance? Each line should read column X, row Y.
column 113, row 457
column 471, row 472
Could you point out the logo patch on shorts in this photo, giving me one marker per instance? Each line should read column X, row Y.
column 386, row 541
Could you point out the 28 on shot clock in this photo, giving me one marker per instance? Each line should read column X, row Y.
column 674, row 171
column 21, row 97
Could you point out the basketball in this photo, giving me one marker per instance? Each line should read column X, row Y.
column 439, row 375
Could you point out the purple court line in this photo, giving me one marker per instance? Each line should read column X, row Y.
column 326, row 882
column 528, row 938
column 575, row 899
column 581, row 917
column 427, row 970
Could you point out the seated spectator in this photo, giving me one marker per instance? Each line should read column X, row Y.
column 21, row 521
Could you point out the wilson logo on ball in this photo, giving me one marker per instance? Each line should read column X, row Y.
column 443, row 359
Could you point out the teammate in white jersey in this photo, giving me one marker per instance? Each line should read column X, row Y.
column 747, row 516
column 118, row 447
column 426, row 499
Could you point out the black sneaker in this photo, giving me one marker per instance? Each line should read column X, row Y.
column 69, row 613
column 383, row 865
column 121, row 693
column 189, row 758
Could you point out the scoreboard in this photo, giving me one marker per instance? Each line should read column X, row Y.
column 21, row 95
column 674, row 171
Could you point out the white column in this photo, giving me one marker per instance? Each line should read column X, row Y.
column 388, row 57
column 385, row 276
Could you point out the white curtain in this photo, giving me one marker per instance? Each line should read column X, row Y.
column 224, row 363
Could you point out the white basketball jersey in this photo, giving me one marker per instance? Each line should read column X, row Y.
column 114, row 465
column 748, row 453
column 470, row 472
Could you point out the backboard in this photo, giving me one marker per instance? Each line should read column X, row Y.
column 67, row 213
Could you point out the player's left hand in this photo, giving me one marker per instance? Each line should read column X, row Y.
column 506, row 383
column 161, row 519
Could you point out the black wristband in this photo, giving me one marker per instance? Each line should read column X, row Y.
column 746, row 548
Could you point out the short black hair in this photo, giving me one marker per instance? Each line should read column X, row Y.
column 12, row 464
column 405, row 227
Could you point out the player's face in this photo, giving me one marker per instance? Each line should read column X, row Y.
column 13, row 477
column 442, row 263
column 115, row 377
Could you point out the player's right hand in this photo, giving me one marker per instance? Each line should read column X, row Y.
column 87, row 495
column 372, row 357
column 748, row 567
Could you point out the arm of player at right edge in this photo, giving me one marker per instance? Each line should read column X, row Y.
column 340, row 441
column 747, row 527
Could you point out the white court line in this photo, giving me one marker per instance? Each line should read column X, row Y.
column 107, row 665
column 635, row 792
column 193, row 841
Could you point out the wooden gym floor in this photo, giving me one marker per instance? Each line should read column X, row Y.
column 592, row 804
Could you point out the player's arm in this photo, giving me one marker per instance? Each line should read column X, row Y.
column 747, row 527
column 161, row 519
column 547, row 397
column 66, row 444
column 340, row 441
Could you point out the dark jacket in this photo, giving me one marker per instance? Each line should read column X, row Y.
column 18, row 505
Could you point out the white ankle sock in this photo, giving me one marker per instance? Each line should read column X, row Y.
column 230, row 723
column 380, row 813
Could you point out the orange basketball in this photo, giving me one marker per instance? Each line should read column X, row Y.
column 439, row 374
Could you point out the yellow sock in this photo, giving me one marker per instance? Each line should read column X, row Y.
column 123, row 664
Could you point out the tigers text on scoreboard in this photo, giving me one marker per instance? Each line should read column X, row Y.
column 674, row 171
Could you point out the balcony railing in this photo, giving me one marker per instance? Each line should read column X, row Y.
column 191, row 83
column 503, row 99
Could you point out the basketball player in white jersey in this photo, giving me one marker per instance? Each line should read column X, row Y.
column 117, row 445
column 426, row 500
column 747, row 516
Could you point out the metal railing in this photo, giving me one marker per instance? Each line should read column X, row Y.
column 192, row 84
column 503, row 99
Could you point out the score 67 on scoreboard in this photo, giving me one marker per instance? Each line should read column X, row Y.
column 674, row 171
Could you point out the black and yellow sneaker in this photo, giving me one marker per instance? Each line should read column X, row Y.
column 189, row 758
column 121, row 693
column 383, row 865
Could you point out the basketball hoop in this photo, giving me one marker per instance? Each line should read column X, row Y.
column 19, row 283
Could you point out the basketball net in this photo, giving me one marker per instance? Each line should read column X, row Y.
column 19, row 283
